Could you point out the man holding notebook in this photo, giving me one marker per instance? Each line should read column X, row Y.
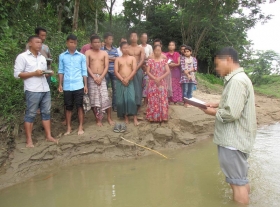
column 235, row 125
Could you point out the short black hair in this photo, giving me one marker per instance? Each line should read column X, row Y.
column 92, row 34
column 71, row 37
column 157, row 40
column 39, row 29
column 155, row 46
column 228, row 51
column 32, row 37
column 189, row 48
column 183, row 46
column 123, row 38
column 94, row 37
column 107, row 34
column 123, row 43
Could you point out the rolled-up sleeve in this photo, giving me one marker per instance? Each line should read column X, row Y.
column 19, row 66
column 60, row 64
column 84, row 66
column 234, row 102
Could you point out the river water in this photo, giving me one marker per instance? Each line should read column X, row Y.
column 191, row 177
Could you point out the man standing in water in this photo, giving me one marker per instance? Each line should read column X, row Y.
column 125, row 69
column 97, row 64
column 235, row 125
column 30, row 66
column 138, row 52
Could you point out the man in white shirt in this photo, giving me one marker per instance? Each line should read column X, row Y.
column 123, row 39
column 148, row 48
column 31, row 66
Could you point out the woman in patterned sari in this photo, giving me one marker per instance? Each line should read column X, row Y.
column 157, row 70
column 174, row 65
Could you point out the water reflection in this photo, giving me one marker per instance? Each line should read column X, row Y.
column 192, row 178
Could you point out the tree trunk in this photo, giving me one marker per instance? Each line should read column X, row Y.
column 76, row 15
column 200, row 39
column 96, row 21
column 60, row 8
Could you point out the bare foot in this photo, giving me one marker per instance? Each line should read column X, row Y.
column 136, row 123
column 68, row 132
column 126, row 120
column 98, row 123
column 111, row 122
column 51, row 139
column 29, row 145
column 186, row 105
column 80, row 131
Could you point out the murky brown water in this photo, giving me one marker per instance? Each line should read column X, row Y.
column 192, row 178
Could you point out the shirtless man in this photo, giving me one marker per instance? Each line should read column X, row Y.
column 138, row 52
column 125, row 69
column 97, row 65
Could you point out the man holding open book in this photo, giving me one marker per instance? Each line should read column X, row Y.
column 235, row 125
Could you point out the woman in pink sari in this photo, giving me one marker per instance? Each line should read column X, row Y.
column 157, row 70
column 174, row 65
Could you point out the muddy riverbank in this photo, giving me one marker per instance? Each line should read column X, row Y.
column 186, row 126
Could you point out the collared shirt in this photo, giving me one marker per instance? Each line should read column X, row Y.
column 73, row 67
column 85, row 48
column 112, row 53
column 188, row 66
column 236, row 124
column 26, row 62
column 45, row 51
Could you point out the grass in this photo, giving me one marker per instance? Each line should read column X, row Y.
column 269, row 86
column 209, row 82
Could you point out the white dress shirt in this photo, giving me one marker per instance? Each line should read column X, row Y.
column 26, row 62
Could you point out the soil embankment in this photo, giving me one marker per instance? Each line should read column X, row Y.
column 186, row 126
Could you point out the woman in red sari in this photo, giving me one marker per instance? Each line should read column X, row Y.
column 174, row 65
column 157, row 70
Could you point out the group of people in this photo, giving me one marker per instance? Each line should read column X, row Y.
column 136, row 71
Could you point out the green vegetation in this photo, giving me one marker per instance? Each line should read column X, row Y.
column 270, row 86
column 207, row 26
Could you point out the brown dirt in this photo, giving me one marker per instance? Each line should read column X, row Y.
column 185, row 126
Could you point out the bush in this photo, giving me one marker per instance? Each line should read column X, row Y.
column 211, row 78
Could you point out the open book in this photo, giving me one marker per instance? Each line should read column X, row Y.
column 196, row 102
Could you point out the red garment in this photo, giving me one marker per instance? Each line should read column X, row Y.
column 176, row 77
column 157, row 109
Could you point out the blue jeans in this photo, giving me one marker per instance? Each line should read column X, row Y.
column 110, row 77
column 35, row 100
column 187, row 89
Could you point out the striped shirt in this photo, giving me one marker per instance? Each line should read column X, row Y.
column 236, row 123
column 112, row 53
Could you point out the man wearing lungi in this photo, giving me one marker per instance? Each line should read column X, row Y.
column 125, row 69
column 97, row 65
column 138, row 52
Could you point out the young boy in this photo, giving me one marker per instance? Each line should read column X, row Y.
column 97, row 65
column 125, row 69
column 30, row 66
column 188, row 67
column 73, row 75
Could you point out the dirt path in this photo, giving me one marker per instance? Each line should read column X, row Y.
column 186, row 126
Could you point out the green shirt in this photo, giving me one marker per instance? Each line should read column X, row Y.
column 236, row 124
